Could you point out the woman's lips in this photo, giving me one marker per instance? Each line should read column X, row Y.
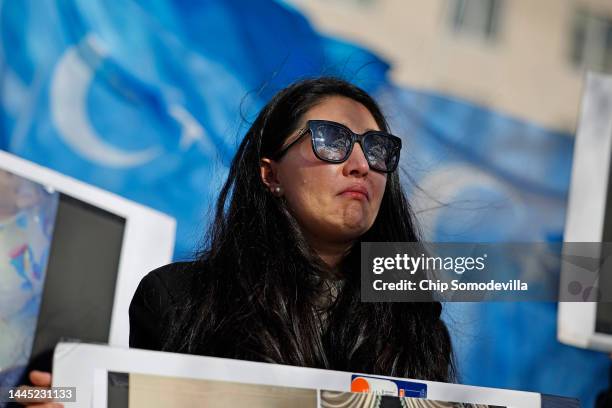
column 359, row 192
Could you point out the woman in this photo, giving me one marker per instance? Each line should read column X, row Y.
column 278, row 280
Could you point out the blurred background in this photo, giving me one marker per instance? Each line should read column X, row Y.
column 150, row 100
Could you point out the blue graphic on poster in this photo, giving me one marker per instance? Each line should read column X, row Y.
column 27, row 214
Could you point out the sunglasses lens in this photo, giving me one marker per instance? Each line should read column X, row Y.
column 382, row 152
column 331, row 142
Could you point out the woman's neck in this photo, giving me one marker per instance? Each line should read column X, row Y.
column 331, row 253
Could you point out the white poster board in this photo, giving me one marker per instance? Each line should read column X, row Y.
column 85, row 366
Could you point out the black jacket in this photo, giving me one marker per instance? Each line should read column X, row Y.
column 158, row 292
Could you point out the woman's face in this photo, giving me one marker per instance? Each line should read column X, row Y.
column 322, row 195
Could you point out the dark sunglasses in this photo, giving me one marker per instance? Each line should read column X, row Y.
column 333, row 142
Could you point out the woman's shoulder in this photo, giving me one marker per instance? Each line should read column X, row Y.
column 172, row 279
column 158, row 293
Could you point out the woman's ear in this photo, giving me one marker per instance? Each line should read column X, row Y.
column 268, row 170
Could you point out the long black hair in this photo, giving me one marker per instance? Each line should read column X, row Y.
column 263, row 294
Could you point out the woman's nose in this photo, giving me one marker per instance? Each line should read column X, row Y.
column 356, row 164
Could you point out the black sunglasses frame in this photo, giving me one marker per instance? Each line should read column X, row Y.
column 355, row 138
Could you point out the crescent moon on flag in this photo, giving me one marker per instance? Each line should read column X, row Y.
column 68, row 99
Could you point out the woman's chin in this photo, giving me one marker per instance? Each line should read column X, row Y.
column 351, row 229
column 355, row 218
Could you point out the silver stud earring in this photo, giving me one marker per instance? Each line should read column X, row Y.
column 277, row 190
